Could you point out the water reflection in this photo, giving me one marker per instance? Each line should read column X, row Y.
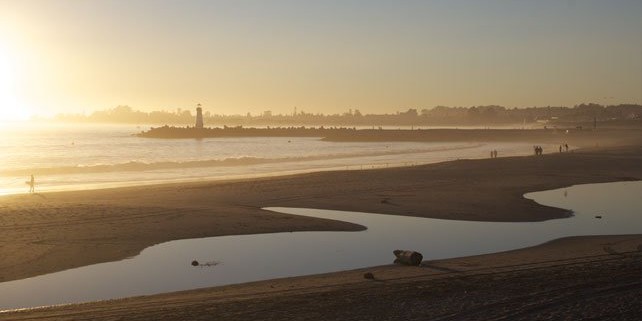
column 166, row 267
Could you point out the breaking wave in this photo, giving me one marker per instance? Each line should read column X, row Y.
column 134, row 166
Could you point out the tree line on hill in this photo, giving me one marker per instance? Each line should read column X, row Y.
column 440, row 115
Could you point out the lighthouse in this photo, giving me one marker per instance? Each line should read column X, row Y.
column 199, row 116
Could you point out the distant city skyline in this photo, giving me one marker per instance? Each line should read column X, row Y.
column 617, row 114
column 319, row 56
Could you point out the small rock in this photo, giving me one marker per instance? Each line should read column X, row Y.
column 194, row 263
column 368, row 276
column 406, row 257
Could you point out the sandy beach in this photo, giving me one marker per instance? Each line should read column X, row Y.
column 282, row 160
column 573, row 278
column 50, row 232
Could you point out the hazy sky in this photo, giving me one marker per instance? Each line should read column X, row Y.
column 322, row 56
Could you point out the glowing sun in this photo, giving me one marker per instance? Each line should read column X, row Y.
column 10, row 108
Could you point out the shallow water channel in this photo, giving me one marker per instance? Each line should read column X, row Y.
column 243, row 258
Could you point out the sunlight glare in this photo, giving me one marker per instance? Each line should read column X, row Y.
column 10, row 109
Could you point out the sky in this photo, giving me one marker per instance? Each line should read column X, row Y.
column 75, row 56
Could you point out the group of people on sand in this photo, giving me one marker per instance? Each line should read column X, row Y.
column 538, row 150
column 564, row 147
column 493, row 153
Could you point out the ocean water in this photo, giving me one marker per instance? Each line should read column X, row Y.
column 71, row 157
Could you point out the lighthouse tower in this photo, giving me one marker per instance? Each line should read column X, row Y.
column 199, row 116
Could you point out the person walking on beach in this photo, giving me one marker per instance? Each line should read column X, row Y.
column 32, row 184
column 538, row 150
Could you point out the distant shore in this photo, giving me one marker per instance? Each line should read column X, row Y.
column 50, row 232
column 571, row 135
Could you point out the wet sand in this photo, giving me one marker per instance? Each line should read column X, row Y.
column 56, row 231
column 574, row 278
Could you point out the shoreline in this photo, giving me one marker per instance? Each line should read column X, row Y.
column 69, row 178
column 262, row 175
column 255, row 167
column 70, row 229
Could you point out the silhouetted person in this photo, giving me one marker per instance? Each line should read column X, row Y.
column 566, row 146
column 32, row 184
column 560, row 148
column 538, row 150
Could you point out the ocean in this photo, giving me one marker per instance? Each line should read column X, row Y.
column 74, row 157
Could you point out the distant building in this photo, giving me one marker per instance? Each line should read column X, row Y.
column 199, row 116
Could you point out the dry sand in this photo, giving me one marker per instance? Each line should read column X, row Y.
column 57, row 231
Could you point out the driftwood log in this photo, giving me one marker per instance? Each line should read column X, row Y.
column 408, row 257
